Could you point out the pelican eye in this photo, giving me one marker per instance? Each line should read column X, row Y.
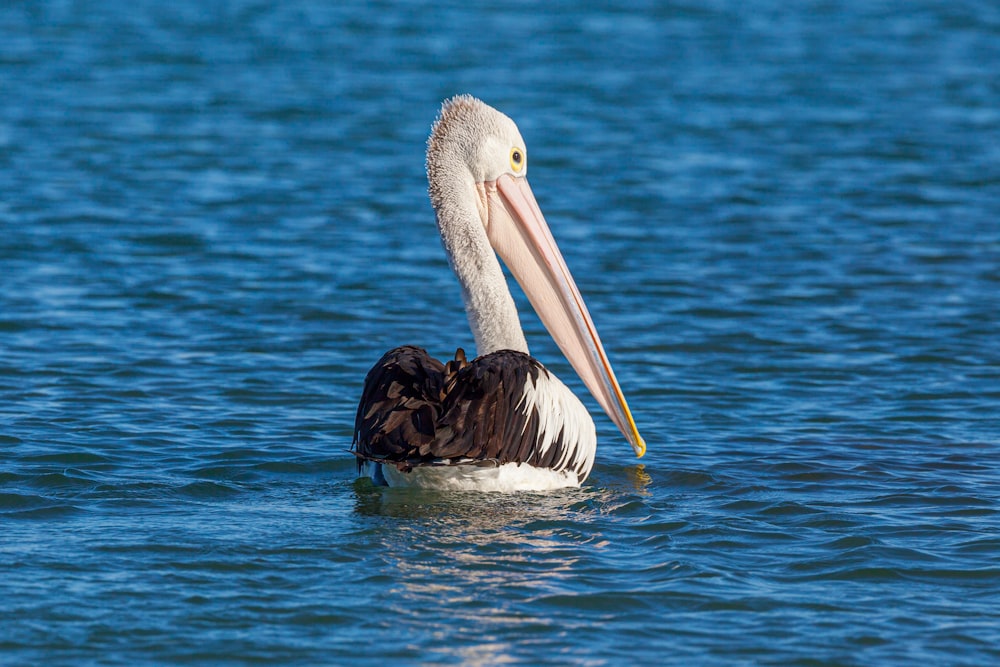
column 516, row 159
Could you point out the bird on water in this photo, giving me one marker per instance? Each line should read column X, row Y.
column 502, row 421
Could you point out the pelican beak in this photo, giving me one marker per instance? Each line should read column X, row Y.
column 518, row 232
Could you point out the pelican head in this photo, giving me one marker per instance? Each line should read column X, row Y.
column 477, row 166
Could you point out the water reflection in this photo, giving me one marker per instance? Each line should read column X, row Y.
column 478, row 561
column 639, row 478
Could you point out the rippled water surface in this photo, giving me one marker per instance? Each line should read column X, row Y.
column 785, row 219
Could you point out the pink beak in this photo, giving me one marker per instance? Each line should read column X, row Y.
column 518, row 232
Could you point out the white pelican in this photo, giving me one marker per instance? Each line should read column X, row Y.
column 502, row 421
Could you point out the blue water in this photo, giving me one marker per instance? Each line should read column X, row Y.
column 785, row 218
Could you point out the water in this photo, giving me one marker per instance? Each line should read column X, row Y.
column 784, row 219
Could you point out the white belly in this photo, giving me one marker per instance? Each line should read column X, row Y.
column 507, row 477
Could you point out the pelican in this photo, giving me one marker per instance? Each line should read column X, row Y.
column 500, row 422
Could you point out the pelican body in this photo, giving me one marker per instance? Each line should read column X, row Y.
column 502, row 421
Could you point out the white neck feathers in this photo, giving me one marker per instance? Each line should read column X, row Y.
column 488, row 302
column 453, row 192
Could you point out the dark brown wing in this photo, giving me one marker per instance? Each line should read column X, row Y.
column 483, row 416
column 415, row 411
column 399, row 406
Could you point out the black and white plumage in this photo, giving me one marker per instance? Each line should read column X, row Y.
column 501, row 421
column 417, row 412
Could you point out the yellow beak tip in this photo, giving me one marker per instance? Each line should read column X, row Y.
column 640, row 448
